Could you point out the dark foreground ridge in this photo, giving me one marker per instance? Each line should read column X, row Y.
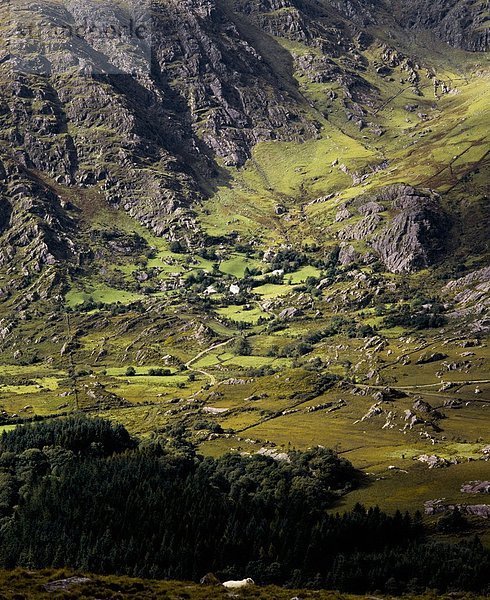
column 57, row 584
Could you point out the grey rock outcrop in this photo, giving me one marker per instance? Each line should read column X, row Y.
column 414, row 239
column 362, row 229
column 405, row 226
column 476, row 487
column 460, row 23
column 347, row 255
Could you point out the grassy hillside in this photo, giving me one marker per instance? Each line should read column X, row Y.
column 39, row 585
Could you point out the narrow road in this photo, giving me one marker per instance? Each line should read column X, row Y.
column 210, row 376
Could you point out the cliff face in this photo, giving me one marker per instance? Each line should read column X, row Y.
column 461, row 23
column 228, row 89
column 34, row 224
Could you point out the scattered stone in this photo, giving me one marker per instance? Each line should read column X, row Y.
column 412, row 420
column 342, row 214
column 374, row 411
column 272, row 453
column 289, row 313
column 478, row 510
column 317, row 407
column 390, row 420
column 64, row 584
column 213, row 410
column 454, row 403
column 425, row 408
column 340, row 404
column 476, row 487
column 430, row 358
column 234, row 381
column 434, row 507
column 347, row 255
column 433, row 461
column 388, row 394
column 255, row 397
column 448, row 385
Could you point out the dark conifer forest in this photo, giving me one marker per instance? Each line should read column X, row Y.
column 81, row 493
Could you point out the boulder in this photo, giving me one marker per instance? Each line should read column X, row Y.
column 478, row 510
column 433, row 461
column 429, row 357
column 210, row 579
column 347, row 255
column 64, row 584
column 476, row 487
column 342, row 214
column 289, row 313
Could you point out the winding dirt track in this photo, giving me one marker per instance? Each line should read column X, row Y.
column 210, row 376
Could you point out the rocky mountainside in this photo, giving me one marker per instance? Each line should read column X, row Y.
column 213, row 86
column 458, row 22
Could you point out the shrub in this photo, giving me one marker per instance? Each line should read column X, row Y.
column 159, row 372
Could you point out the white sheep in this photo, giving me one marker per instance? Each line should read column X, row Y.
column 233, row 585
